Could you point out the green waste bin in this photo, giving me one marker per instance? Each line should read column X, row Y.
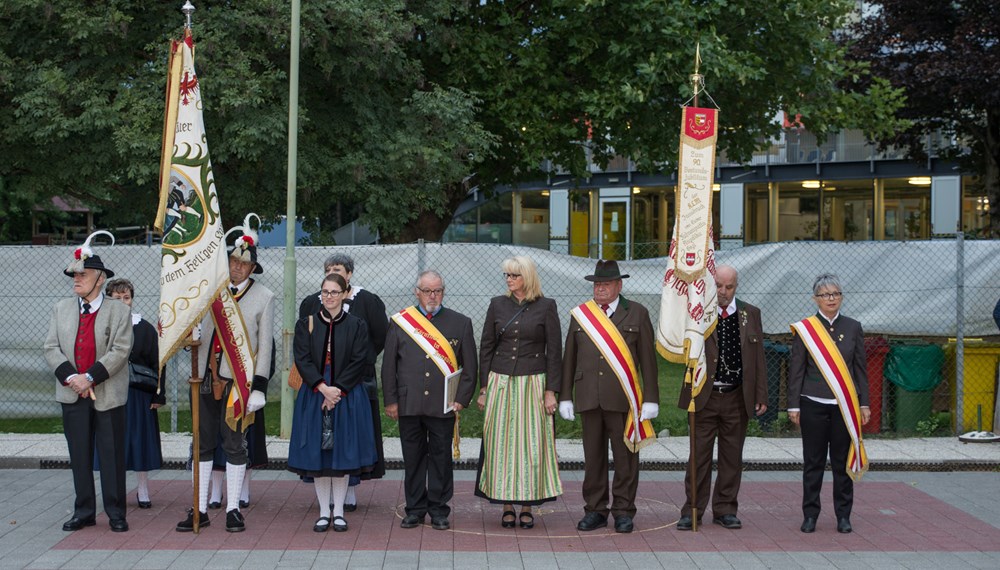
column 776, row 358
column 913, row 370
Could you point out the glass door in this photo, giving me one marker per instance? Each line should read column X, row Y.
column 615, row 229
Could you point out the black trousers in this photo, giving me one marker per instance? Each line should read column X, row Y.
column 212, row 429
column 429, row 481
column 823, row 431
column 85, row 428
column 725, row 418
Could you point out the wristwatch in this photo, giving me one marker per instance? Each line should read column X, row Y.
column 89, row 377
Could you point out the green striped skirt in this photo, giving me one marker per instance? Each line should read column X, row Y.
column 519, row 449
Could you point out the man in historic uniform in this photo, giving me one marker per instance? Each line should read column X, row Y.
column 609, row 371
column 734, row 355
column 428, row 348
column 256, row 306
column 88, row 344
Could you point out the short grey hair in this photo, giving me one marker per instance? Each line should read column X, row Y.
column 826, row 280
column 339, row 259
column 431, row 273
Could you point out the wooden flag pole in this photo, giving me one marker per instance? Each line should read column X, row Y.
column 195, row 383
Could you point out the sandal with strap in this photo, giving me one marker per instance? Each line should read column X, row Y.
column 527, row 520
column 505, row 522
column 339, row 524
column 322, row 525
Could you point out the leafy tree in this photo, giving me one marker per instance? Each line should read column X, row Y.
column 404, row 104
column 945, row 56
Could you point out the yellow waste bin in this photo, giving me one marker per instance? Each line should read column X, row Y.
column 980, row 386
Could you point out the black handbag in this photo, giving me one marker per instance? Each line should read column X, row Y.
column 326, row 441
column 143, row 378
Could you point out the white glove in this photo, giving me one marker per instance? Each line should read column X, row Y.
column 649, row 411
column 566, row 410
column 256, row 401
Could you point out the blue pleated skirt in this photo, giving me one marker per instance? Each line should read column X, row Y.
column 353, row 450
column 142, row 434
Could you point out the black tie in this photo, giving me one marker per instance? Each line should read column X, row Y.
column 86, row 308
column 234, row 290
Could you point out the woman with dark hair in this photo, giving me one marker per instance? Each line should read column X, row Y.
column 520, row 370
column 331, row 351
column 142, row 432
column 828, row 399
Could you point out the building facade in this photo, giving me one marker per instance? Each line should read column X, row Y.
column 792, row 189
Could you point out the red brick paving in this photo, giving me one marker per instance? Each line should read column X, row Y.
column 887, row 517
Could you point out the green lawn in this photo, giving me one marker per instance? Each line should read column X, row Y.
column 471, row 424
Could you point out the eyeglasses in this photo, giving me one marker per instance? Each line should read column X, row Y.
column 511, row 275
column 829, row 296
column 331, row 293
column 430, row 291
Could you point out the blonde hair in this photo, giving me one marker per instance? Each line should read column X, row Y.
column 525, row 267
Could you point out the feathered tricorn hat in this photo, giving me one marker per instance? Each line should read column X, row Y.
column 245, row 247
column 84, row 257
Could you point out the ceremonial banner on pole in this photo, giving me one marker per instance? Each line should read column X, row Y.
column 688, row 302
column 193, row 264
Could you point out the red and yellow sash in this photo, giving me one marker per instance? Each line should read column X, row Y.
column 428, row 338
column 231, row 333
column 831, row 364
column 609, row 341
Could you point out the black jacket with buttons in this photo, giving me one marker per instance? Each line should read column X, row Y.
column 411, row 379
column 530, row 344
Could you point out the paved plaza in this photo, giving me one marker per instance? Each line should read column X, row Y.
column 902, row 519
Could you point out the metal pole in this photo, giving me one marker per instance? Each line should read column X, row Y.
column 421, row 256
column 288, row 329
column 697, row 80
column 959, row 330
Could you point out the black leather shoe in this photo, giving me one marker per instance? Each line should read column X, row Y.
column 623, row 524
column 728, row 521
column 244, row 504
column 143, row 504
column 685, row 523
column 215, row 505
column 119, row 525
column 77, row 523
column 235, row 522
column 350, row 508
column 322, row 524
column 411, row 521
column 844, row 525
column 808, row 525
column 440, row 523
column 187, row 525
column 592, row 521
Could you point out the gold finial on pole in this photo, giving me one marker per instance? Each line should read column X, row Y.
column 697, row 79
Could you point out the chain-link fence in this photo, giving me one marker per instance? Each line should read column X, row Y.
column 933, row 348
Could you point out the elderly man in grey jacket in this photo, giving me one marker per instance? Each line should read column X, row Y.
column 87, row 347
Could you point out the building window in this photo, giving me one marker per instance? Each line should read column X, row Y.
column 907, row 208
column 848, row 210
column 756, row 223
column 975, row 208
column 652, row 221
column 798, row 210
column 531, row 212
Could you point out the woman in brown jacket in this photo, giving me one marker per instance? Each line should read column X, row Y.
column 520, row 370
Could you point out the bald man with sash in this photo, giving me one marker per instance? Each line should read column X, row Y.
column 609, row 377
column 426, row 345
